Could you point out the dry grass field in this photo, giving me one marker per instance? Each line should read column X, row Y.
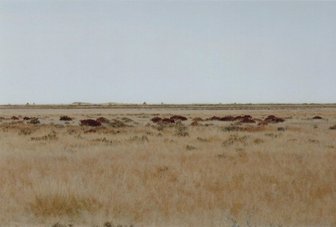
column 133, row 172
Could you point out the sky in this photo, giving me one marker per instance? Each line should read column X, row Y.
column 64, row 51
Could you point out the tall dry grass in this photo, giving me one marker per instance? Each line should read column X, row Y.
column 170, row 176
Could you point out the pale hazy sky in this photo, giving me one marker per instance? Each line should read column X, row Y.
column 54, row 51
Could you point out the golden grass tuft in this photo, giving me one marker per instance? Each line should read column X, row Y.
column 45, row 206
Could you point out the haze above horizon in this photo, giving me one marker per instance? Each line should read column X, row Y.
column 167, row 51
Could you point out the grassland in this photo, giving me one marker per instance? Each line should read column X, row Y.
column 133, row 172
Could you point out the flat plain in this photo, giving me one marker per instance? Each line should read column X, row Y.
column 225, row 165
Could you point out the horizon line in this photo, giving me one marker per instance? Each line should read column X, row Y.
column 163, row 103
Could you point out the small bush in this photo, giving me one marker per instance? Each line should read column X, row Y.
column 273, row 119
column 190, row 147
column 258, row 141
column 117, row 124
column 181, row 130
column 25, row 131
column 159, row 127
column 65, row 118
column 178, row 118
column 15, row 118
column 103, row 120
column 235, row 139
column 232, row 128
column 194, row 123
column 333, row 127
column 281, row 129
column 90, row 122
column 156, row 119
column 34, row 121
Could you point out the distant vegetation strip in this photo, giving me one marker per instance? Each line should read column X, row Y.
column 170, row 106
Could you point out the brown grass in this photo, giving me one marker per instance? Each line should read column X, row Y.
column 60, row 205
column 148, row 175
